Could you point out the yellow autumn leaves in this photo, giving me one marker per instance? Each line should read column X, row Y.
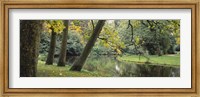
column 58, row 26
column 54, row 25
column 111, row 39
column 75, row 27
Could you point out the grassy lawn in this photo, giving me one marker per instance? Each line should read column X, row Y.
column 172, row 60
column 55, row 71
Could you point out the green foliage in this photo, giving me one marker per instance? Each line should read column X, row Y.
column 42, row 57
column 177, row 47
column 147, row 36
column 74, row 44
column 44, row 43
column 101, row 50
column 110, row 39
column 158, row 36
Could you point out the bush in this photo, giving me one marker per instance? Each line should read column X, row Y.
column 74, row 45
column 178, row 48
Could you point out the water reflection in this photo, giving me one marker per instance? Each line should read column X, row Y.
column 109, row 65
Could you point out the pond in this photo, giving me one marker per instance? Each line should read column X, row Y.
column 110, row 66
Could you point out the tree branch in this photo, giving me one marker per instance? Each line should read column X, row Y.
column 130, row 25
column 92, row 25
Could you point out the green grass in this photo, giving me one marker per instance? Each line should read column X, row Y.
column 55, row 71
column 171, row 60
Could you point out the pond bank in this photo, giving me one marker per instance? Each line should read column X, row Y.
column 107, row 66
column 165, row 60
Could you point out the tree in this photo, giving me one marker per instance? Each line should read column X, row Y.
column 29, row 46
column 52, row 47
column 110, row 39
column 149, row 36
column 159, row 36
column 62, row 57
column 53, row 27
column 77, row 66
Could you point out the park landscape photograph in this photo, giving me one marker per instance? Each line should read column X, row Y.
column 100, row 48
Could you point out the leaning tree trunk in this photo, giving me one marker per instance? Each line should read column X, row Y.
column 29, row 47
column 77, row 66
column 52, row 47
column 62, row 57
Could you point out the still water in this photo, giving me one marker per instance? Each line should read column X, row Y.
column 112, row 67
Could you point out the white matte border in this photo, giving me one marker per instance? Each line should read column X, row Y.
column 15, row 15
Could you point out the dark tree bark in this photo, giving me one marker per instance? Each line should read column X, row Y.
column 29, row 47
column 62, row 57
column 52, row 47
column 77, row 66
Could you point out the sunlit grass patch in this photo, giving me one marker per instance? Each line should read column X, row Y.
column 172, row 60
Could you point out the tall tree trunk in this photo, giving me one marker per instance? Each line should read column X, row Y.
column 29, row 47
column 52, row 47
column 77, row 66
column 62, row 56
